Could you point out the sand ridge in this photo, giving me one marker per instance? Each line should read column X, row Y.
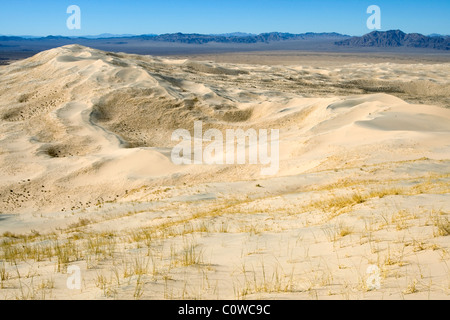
column 85, row 143
column 87, row 115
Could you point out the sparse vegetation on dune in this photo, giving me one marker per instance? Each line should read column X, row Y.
column 180, row 257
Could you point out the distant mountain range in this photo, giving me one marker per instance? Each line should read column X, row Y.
column 380, row 39
column 233, row 38
column 235, row 34
column 397, row 38
column 236, row 37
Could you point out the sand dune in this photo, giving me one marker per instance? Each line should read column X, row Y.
column 86, row 134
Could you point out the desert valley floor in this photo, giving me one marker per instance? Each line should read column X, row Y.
column 87, row 181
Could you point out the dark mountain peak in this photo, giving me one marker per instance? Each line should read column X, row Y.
column 397, row 38
column 395, row 32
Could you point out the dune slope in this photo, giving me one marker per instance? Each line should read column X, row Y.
column 85, row 144
column 77, row 119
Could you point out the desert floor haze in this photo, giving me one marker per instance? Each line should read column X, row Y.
column 87, row 178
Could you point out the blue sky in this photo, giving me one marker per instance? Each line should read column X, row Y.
column 45, row 17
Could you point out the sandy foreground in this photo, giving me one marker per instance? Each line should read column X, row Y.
column 359, row 208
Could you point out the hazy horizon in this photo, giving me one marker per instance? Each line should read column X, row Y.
column 26, row 18
column 244, row 34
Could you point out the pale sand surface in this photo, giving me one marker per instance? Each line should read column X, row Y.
column 87, row 179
